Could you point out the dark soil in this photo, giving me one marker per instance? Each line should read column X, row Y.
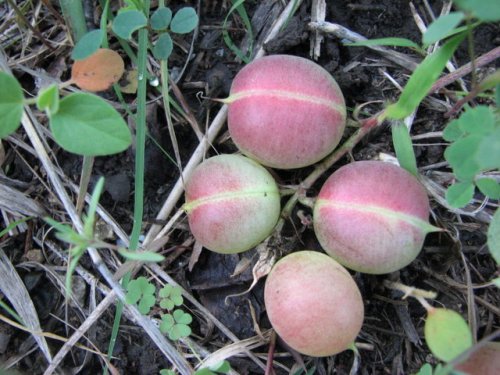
column 393, row 329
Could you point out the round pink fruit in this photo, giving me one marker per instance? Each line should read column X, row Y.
column 484, row 361
column 285, row 111
column 313, row 303
column 372, row 217
column 232, row 203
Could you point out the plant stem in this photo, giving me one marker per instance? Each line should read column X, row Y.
column 73, row 14
column 88, row 162
column 139, row 167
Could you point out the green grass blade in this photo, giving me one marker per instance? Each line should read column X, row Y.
column 238, row 5
column 404, row 148
column 422, row 80
column 394, row 42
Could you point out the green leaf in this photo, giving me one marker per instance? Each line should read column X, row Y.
column 182, row 317
column 459, row 194
column 485, row 10
column 422, row 80
column 453, row 132
column 142, row 291
column 161, row 18
column 496, row 281
column 494, row 236
column 222, row 367
column 497, row 95
column 86, row 125
column 488, row 154
column 184, row 21
column 163, row 47
column 442, row 27
column 404, row 148
column 141, row 256
column 179, row 331
column 489, row 187
column 167, row 322
column 478, row 120
column 13, row 224
column 127, row 22
column 11, row 104
column 170, row 297
column 87, row 45
column 167, row 372
column 396, row 42
column 425, row 370
column 447, row 334
column 48, row 100
column 461, row 156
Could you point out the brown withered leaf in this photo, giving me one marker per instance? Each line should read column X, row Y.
column 99, row 71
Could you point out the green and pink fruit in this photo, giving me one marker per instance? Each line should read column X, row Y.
column 372, row 217
column 484, row 361
column 285, row 111
column 232, row 203
column 313, row 303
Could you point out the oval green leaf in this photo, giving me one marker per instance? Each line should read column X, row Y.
column 404, row 148
column 494, row 237
column 11, row 104
column 86, row 125
column 447, row 334
column 489, row 187
column 442, row 27
column 161, row 18
column 184, row 21
column 87, row 45
column 127, row 22
column 163, row 47
column 459, row 194
column 422, row 80
column 48, row 100
column 452, row 132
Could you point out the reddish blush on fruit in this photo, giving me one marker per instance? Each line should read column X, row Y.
column 313, row 303
column 285, row 111
column 372, row 217
column 232, row 203
column 483, row 361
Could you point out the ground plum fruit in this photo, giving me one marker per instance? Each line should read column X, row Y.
column 232, row 203
column 313, row 303
column 372, row 217
column 285, row 111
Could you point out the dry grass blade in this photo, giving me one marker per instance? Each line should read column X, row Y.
column 13, row 288
column 14, row 201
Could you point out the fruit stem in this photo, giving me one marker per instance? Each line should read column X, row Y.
column 409, row 291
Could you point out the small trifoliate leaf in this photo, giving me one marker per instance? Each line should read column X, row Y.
column 48, row 100
column 488, row 153
column 179, row 331
column 184, row 21
column 494, row 237
column 461, row 156
column 127, row 22
column 161, row 18
column 453, row 132
column 447, row 334
column 163, row 47
column 146, row 303
column 87, row 45
column 442, row 27
column 11, row 104
column 479, row 120
column 167, row 322
column 142, row 291
column 182, row 317
column 459, row 194
column 489, row 187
